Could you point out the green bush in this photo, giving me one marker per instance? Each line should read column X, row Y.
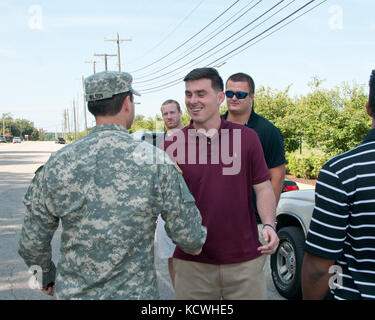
column 305, row 166
column 317, row 163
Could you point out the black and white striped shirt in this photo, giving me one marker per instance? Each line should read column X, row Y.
column 343, row 222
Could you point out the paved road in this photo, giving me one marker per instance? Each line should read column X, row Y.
column 18, row 163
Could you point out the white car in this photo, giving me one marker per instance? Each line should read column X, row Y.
column 16, row 140
column 293, row 215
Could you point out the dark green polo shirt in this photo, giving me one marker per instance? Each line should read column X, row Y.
column 272, row 143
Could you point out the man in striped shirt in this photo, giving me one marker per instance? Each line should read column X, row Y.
column 340, row 244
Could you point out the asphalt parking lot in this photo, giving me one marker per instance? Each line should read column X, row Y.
column 18, row 163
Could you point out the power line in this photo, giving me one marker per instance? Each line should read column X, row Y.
column 259, row 24
column 176, row 81
column 233, row 19
column 163, row 86
column 172, row 32
column 194, row 60
column 266, row 36
column 197, row 62
column 192, row 37
column 247, row 42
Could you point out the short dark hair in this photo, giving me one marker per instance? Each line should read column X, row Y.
column 243, row 77
column 172, row 101
column 109, row 107
column 207, row 73
column 371, row 98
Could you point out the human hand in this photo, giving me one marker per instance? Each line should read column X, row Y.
column 270, row 236
column 49, row 289
column 197, row 253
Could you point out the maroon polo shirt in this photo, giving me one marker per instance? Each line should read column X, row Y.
column 220, row 172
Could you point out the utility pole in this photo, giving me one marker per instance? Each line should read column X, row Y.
column 77, row 113
column 118, row 48
column 4, row 115
column 67, row 116
column 64, row 125
column 93, row 63
column 105, row 55
column 75, row 120
column 84, row 103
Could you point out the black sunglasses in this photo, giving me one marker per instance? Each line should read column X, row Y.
column 238, row 94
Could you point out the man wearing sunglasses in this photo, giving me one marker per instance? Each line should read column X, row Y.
column 240, row 90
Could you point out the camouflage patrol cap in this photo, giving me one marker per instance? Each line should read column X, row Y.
column 104, row 85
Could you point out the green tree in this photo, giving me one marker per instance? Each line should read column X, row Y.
column 50, row 136
column 334, row 120
column 22, row 127
column 149, row 124
column 280, row 109
column 41, row 135
column 19, row 127
column 185, row 119
column 315, row 112
column 352, row 123
column 6, row 120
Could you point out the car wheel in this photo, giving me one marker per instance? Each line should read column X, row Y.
column 286, row 262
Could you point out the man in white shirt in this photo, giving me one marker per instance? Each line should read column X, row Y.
column 171, row 113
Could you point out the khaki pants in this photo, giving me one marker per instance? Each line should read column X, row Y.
column 238, row 281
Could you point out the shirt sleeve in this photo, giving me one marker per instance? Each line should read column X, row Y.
column 327, row 231
column 38, row 229
column 183, row 221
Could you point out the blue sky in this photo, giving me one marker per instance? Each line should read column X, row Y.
column 44, row 46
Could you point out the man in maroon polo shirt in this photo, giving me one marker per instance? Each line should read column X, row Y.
column 221, row 163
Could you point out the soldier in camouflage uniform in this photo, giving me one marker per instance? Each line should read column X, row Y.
column 108, row 201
